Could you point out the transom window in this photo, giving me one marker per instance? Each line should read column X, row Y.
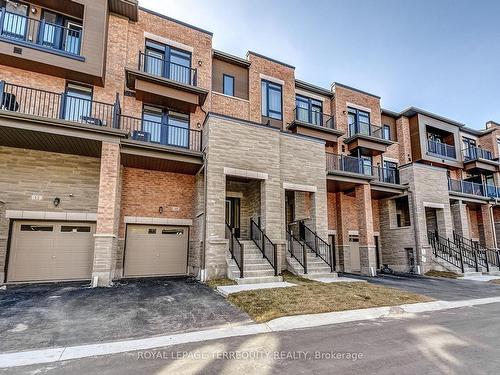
column 165, row 61
column 309, row 110
column 271, row 100
column 359, row 121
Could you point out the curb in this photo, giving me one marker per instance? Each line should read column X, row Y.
column 288, row 323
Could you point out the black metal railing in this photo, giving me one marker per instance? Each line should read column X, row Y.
column 475, row 153
column 441, row 149
column 48, row 35
column 365, row 129
column 444, row 249
column 317, row 118
column 265, row 245
column 42, row 103
column 164, row 68
column 345, row 163
column 474, row 188
column 387, row 175
column 165, row 134
column 235, row 249
column 320, row 247
column 485, row 257
column 297, row 249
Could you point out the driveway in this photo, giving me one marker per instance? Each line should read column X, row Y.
column 438, row 288
column 41, row 316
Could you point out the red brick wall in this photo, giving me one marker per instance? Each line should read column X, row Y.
column 234, row 107
column 144, row 191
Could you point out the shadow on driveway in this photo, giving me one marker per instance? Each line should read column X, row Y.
column 51, row 315
column 438, row 288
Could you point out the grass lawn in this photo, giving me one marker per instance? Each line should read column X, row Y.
column 312, row 297
column 496, row 281
column 445, row 274
column 220, row 282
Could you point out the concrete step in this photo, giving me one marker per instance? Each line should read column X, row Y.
column 322, row 275
column 258, row 280
column 469, row 274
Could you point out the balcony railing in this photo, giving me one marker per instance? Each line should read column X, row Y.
column 313, row 117
column 160, row 133
column 63, row 106
column 441, row 149
column 365, row 129
column 475, row 153
column 164, row 68
column 345, row 163
column 27, row 30
column 474, row 188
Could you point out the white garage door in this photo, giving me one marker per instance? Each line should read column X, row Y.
column 50, row 251
column 156, row 250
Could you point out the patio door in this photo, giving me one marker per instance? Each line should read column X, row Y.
column 15, row 20
column 233, row 214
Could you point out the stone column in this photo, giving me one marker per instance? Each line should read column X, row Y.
column 108, row 215
column 319, row 213
column 460, row 218
column 365, row 221
column 489, row 234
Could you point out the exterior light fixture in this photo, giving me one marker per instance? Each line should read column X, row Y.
column 57, row 201
column 160, row 210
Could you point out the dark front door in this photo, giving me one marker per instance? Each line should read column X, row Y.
column 233, row 214
column 289, row 207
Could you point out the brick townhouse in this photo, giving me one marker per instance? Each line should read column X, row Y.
column 130, row 147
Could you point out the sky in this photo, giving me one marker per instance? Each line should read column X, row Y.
column 442, row 56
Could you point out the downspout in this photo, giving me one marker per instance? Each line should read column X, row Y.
column 416, row 231
column 203, row 275
column 495, row 241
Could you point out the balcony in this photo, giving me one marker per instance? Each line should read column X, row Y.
column 48, row 116
column 41, row 34
column 344, row 172
column 314, row 124
column 478, row 160
column 441, row 150
column 159, row 81
column 367, row 138
column 473, row 189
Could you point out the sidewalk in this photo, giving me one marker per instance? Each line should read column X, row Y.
column 277, row 325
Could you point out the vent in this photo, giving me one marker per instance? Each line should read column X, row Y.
column 18, row 50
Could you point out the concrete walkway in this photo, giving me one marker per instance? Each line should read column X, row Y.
column 230, row 289
column 483, row 278
column 278, row 325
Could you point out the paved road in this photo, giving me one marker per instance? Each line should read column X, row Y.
column 438, row 288
column 460, row 341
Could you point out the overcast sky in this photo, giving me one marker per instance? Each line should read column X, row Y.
column 440, row 55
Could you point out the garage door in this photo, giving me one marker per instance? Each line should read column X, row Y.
column 155, row 250
column 50, row 251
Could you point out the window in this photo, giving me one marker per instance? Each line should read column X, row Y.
column 61, row 33
column 271, row 100
column 469, row 150
column 389, row 172
column 386, row 132
column 228, row 85
column 36, row 228
column 74, row 229
column 78, row 104
column 165, row 61
column 359, row 122
column 164, row 127
column 309, row 110
column 367, row 165
column 176, row 232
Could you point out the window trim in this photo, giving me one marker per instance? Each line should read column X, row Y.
column 165, row 117
column 356, row 112
column 224, row 84
column 166, row 50
column 267, row 84
column 389, row 135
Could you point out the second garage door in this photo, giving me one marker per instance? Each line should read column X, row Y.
column 155, row 250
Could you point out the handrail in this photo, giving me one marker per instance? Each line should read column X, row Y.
column 164, row 68
column 265, row 245
column 387, row 175
column 235, row 248
column 474, row 153
column 320, row 247
column 23, row 29
column 312, row 117
column 441, row 149
column 442, row 248
column 486, row 257
column 297, row 249
column 163, row 133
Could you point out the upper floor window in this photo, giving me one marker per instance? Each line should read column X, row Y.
column 78, row 103
column 228, row 85
column 165, row 61
column 308, row 110
column 469, row 143
column 165, row 127
column 358, row 121
column 271, row 100
column 53, row 30
column 386, row 132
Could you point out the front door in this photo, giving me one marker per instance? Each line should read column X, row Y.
column 289, row 207
column 233, row 214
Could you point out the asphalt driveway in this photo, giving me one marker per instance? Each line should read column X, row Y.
column 42, row 316
column 438, row 288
